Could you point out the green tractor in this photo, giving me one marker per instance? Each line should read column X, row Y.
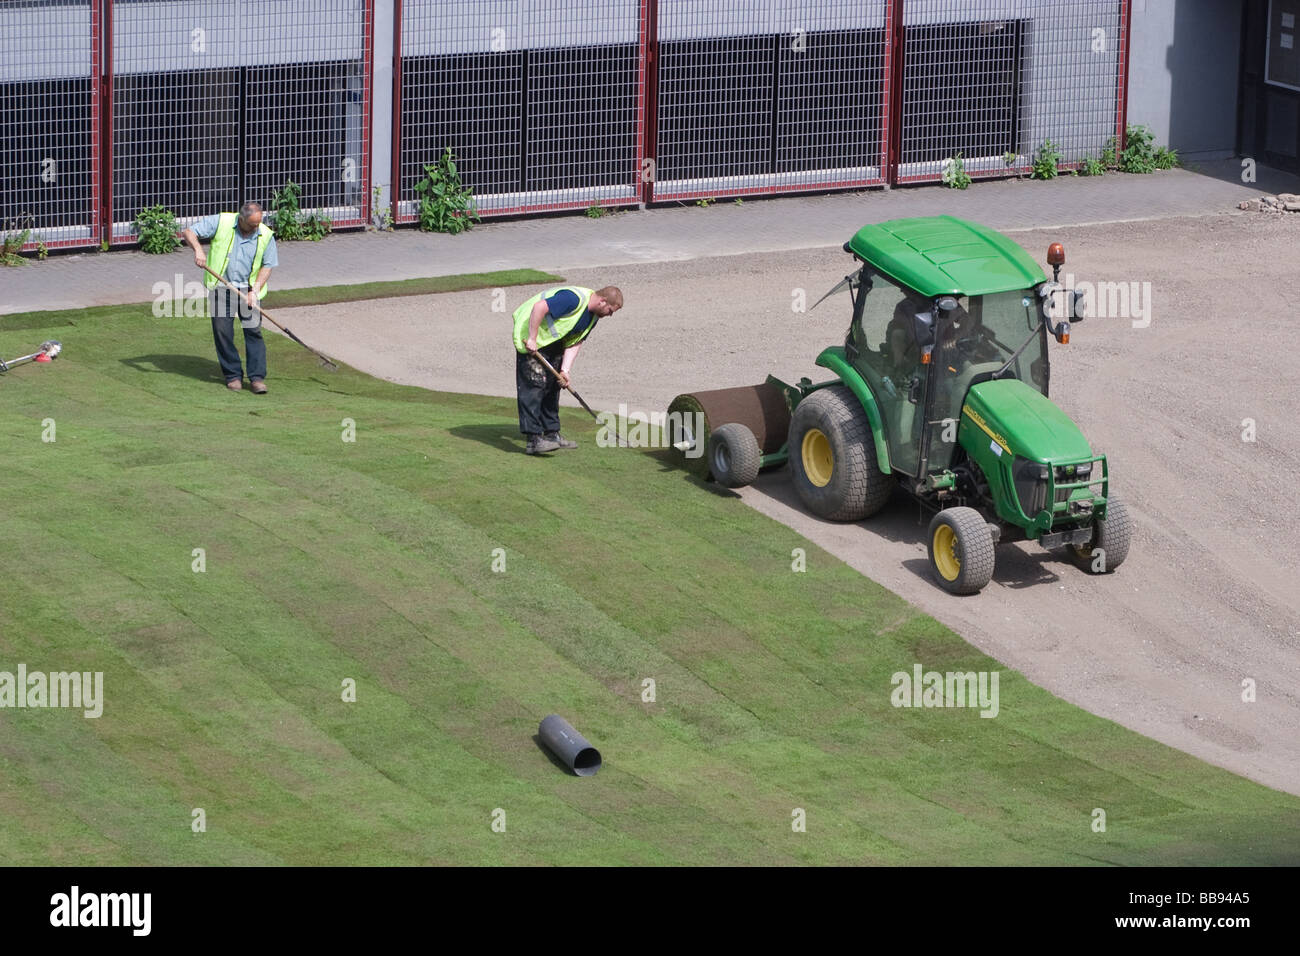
column 941, row 389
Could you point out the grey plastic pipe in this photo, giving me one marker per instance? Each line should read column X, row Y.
column 571, row 747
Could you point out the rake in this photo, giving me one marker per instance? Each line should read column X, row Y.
column 323, row 360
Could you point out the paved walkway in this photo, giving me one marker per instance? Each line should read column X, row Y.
column 560, row 244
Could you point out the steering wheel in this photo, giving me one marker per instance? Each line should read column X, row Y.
column 979, row 338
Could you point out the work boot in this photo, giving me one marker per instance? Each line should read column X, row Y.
column 560, row 440
column 235, row 385
column 259, row 386
column 539, row 445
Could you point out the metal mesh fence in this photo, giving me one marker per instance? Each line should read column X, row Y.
column 49, row 122
column 994, row 79
column 220, row 101
column 791, row 96
column 109, row 106
column 537, row 100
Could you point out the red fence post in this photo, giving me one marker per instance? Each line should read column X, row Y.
column 648, row 97
column 396, row 174
column 105, row 80
column 1125, row 26
column 892, row 95
column 367, row 107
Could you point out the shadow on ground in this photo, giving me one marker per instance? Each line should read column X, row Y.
column 191, row 366
column 904, row 521
column 1267, row 179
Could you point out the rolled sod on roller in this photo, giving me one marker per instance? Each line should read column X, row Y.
column 571, row 747
column 760, row 408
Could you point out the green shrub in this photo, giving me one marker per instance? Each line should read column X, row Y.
column 157, row 228
column 1139, row 156
column 1092, row 167
column 1167, row 158
column 12, row 239
column 1109, row 159
column 595, row 211
column 1046, row 161
column 954, row 173
column 289, row 223
column 446, row 204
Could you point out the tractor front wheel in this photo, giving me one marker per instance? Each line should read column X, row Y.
column 833, row 457
column 1108, row 547
column 961, row 550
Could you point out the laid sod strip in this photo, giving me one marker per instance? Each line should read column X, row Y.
column 329, row 294
column 371, row 561
column 321, row 295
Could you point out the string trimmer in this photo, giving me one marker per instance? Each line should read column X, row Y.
column 48, row 352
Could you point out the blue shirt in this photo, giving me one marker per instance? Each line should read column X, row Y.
column 240, row 261
column 564, row 302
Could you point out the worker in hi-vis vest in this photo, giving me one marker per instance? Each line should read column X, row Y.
column 243, row 252
column 554, row 323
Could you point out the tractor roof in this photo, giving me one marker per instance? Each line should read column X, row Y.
column 943, row 255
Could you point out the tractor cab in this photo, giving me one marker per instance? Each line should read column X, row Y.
column 921, row 354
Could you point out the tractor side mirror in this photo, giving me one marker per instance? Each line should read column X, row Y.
column 923, row 327
column 1078, row 303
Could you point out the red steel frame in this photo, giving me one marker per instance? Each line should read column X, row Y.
column 647, row 85
column 367, row 113
column 1121, row 107
column 101, row 19
column 893, row 9
column 101, row 112
column 1121, row 120
column 891, row 132
column 395, row 174
column 645, row 139
column 101, row 119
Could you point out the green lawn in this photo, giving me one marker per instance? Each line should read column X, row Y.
column 372, row 560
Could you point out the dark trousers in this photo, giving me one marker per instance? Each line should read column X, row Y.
column 538, row 391
column 224, row 307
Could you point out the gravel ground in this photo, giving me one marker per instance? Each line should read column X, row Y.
column 1208, row 596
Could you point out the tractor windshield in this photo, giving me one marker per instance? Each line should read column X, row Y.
column 975, row 340
column 984, row 332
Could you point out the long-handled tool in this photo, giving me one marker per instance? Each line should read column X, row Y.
column 550, row 368
column 323, row 360
column 48, row 352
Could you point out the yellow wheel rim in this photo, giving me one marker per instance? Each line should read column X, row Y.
column 818, row 461
column 945, row 552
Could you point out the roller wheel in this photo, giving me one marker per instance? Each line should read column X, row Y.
column 734, row 456
column 833, row 457
column 961, row 550
column 1110, row 536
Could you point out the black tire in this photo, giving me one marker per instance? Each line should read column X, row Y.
column 961, row 550
column 845, row 483
column 1111, row 536
column 734, row 456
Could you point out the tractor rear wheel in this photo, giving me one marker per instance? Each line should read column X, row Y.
column 961, row 550
column 1108, row 547
column 833, row 457
column 734, row 456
